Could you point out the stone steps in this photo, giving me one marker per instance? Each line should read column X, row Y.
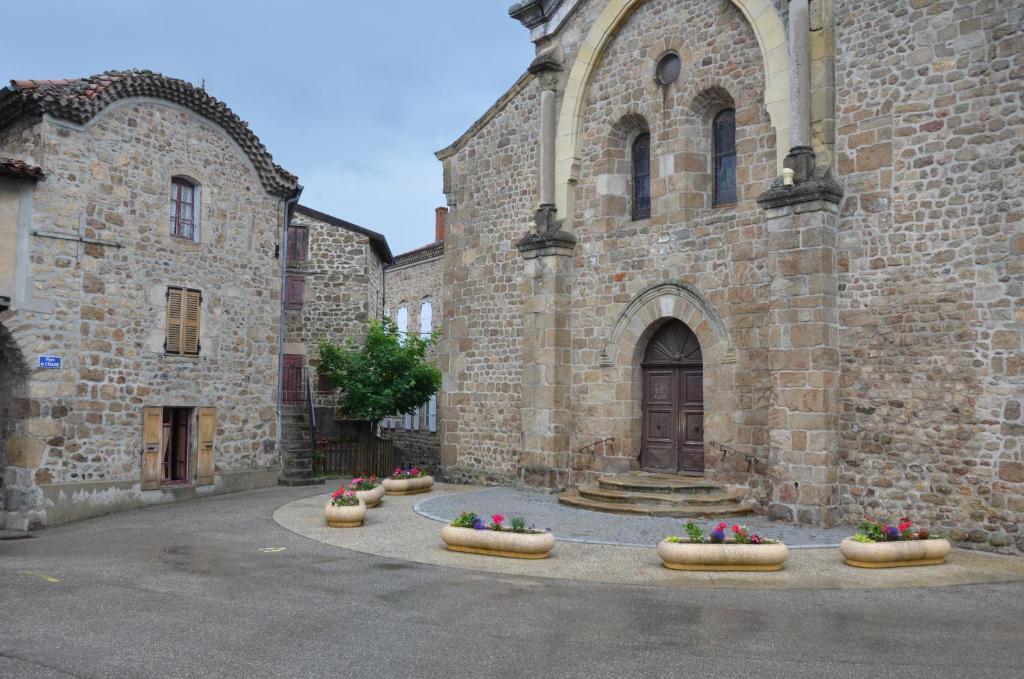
column 644, row 494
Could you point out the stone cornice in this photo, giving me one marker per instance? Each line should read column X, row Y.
column 820, row 187
column 79, row 101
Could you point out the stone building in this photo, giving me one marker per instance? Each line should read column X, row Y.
column 777, row 244
column 333, row 288
column 140, row 329
column 413, row 298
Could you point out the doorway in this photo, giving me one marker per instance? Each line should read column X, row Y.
column 673, row 402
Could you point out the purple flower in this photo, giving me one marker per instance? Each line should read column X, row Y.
column 717, row 535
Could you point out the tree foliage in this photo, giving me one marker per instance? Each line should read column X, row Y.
column 389, row 375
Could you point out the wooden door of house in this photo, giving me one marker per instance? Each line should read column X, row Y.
column 673, row 402
column 293, row 387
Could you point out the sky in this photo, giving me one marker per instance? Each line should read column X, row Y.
column 353, row 96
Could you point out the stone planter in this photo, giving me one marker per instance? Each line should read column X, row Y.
column 498, row 543
column 345, row 517
column 371, row 497
column 726, row 556
column 894, row 554
column 420, row 484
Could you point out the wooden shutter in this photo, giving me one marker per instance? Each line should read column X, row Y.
column 152, row 444
column 204, row 458
column 190, row 323
column 293, row 292
column 175, row 299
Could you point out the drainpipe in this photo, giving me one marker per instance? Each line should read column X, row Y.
column 288, row 206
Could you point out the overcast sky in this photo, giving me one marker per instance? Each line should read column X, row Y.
column 353, row 96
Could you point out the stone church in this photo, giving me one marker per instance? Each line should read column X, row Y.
column 773, row 244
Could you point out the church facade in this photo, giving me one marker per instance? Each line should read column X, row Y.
column 776, row 244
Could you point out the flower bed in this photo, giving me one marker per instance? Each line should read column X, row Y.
column 345, row 509
column 468, row 533
column 368, row 489
column 882, row 545
column 743, row 551
column 408, row 481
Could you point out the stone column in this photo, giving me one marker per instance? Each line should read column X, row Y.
column 547, row 253
column 801, row 155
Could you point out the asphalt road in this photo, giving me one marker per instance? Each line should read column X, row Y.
column 214, row 588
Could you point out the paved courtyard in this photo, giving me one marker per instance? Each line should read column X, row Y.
column 217, row 588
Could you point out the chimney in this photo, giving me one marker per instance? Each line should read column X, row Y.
column 440, row 214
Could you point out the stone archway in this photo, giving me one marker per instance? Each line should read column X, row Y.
column 622, row 358
column 769, row 31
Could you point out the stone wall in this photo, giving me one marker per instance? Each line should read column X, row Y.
column 932, row 263
column 109, row 180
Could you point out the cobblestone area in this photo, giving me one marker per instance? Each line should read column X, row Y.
column 575, row 525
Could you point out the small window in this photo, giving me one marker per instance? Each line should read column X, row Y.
column 416, row 420
column 668, row 69
column 298, row 243
column 183, row 315
column 294, row 288
column 642, row 176
column 426, row 317
column 408, row 421
column 724, row 160
column 432, row 413
column 184, row 208
column 402, row 319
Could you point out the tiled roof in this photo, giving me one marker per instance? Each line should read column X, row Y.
column 78, row 101
column 377, row 240
column 11, row 167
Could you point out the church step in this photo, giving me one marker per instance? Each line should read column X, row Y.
column 658, row 484
column 682, row 510
column 716, row 499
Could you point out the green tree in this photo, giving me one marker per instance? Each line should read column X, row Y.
column 389, row 375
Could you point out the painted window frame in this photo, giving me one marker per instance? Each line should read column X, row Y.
column 182, row 226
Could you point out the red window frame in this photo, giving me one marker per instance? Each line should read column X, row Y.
column 298, row 243
column 293, row 289
column 183, row 208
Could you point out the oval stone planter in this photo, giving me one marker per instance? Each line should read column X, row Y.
column 727, row 556
column 498, row 543
column 420, row 484
column 345, row 517
column 894, row 554
column 371, row 497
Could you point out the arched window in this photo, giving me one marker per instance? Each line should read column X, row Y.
column 723, row 131
column 184, row 208
column 402, row 319
column 641, row 156
column 426, row 317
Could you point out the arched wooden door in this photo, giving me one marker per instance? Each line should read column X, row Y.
column 673, row 402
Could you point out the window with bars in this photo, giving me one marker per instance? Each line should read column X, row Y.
column 298, row 243
column 294, row 287
column 183, row 316
column 184, row 208
column 641, row 157
column 723, row 130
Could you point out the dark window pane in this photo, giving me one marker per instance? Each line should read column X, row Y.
column 724, row 136
column 642, row 177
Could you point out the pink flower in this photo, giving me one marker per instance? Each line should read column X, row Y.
column 497, row 518
column 721, row 526
column 736, row 528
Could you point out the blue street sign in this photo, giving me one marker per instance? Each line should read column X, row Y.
column 49, row 361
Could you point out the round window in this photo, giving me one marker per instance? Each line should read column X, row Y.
column 668, row 69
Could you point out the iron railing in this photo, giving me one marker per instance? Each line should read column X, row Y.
column 751, row 459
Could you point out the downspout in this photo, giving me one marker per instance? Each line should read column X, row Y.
column 289, row 204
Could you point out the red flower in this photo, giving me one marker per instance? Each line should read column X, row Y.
column 497, row 518
column 721, row 526
column 736, row 528
column 904, row 526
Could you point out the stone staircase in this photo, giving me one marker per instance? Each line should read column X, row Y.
column 296, row 449
column 646, row 494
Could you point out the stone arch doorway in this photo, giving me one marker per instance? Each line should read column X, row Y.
column 14, row 373
column 672, row 379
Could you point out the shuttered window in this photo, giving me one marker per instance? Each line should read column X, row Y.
column 298, row 243
column 293, row 291
column 183, row 317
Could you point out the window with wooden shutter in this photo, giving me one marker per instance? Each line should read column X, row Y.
column 183, row 317
column 152, row 444
column 293, row 291
column 298, row 243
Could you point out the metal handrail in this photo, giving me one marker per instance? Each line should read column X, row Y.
column 593, row 446
column 311, row 411
column 751, row 459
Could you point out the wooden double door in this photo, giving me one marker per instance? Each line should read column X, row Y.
column 673, row 402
